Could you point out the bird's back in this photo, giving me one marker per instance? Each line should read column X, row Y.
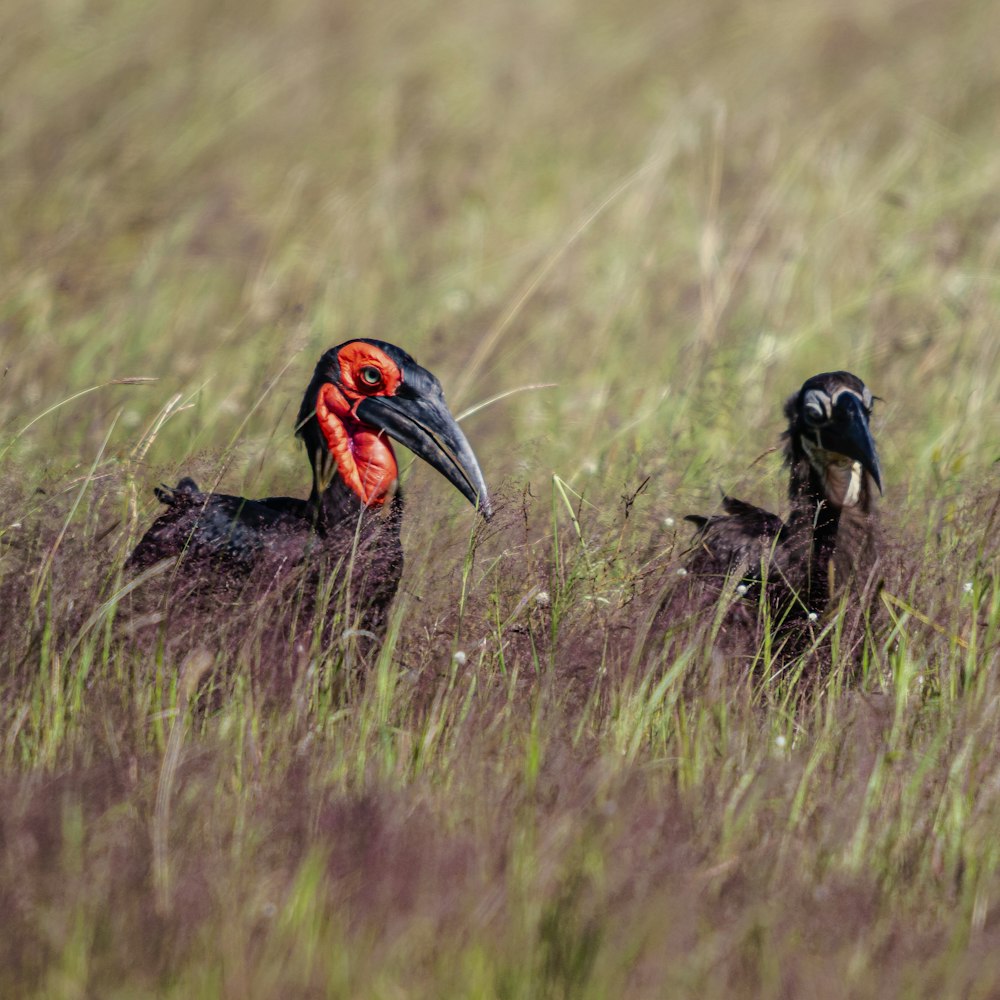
column 218, row 531
column 276, row 559
column 742, row 536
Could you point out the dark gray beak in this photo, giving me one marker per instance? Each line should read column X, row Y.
column 418, row 417
column 848, row 434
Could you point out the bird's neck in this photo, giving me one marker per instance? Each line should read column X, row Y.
column 339, row 505
column 839, row 537
column 812, row 510
column 364, row 459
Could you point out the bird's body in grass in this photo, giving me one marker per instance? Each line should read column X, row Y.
column 829, row 540
column 343, row 540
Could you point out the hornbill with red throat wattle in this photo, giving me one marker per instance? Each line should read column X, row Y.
column 830, row 538
column 362, row 393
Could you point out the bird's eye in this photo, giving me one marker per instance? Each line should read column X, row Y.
column 816, row 407
column 370, row 375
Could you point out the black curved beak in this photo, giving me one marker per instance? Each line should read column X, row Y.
column 848, row 434
column 418, row 417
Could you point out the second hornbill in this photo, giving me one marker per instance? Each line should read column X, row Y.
column 362, row 393
column 829, row 537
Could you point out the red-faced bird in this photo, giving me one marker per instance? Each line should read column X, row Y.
column 362, row 393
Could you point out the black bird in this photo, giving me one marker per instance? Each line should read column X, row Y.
column 362, row 393
column 830, row 537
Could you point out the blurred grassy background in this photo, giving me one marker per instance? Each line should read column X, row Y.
column 675, row 211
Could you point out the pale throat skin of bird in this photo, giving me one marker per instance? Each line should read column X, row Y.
column 842, row 476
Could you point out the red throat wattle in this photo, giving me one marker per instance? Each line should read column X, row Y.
column 363, row 455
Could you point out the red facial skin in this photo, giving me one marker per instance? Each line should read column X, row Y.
column 363, row 455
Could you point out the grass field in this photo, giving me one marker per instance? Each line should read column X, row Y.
column 669, row 214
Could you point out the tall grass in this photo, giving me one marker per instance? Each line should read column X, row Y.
column 669, row 215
